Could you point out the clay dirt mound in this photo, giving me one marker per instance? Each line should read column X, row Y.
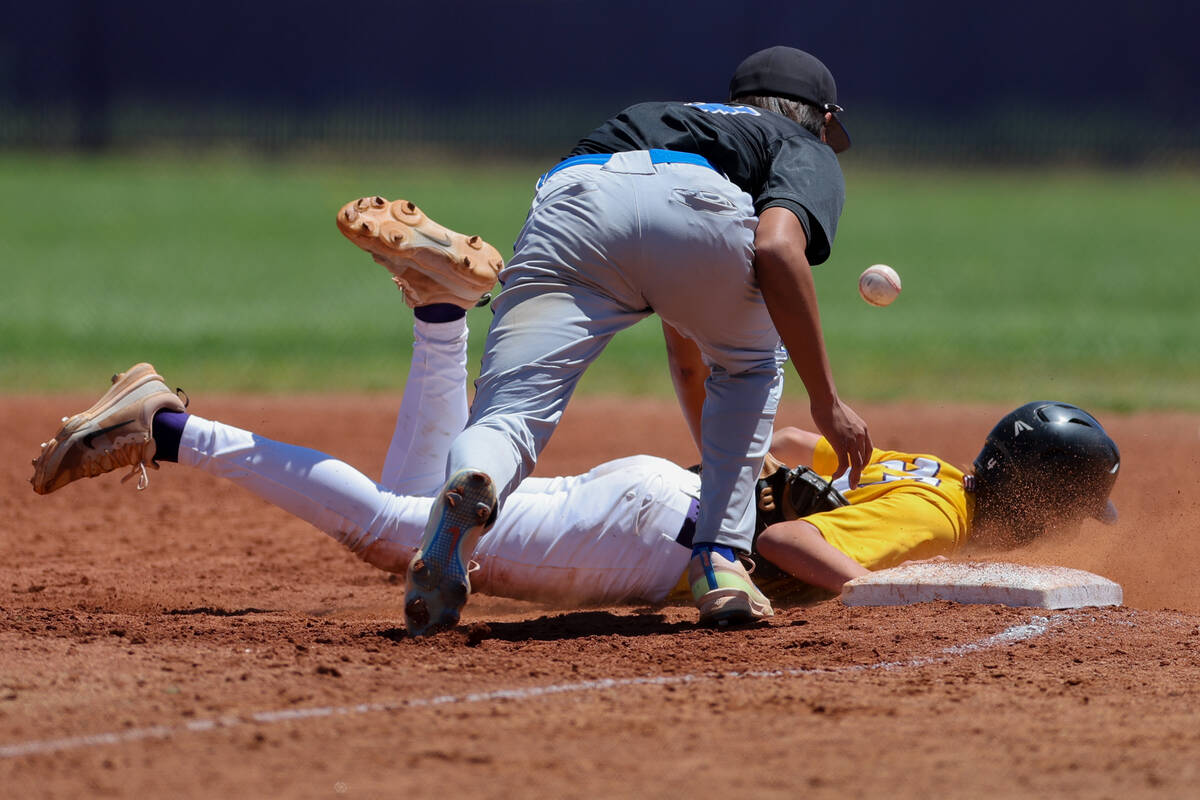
column 193, row 641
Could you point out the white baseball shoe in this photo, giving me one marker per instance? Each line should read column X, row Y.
column 115, row 432
column 430, row 263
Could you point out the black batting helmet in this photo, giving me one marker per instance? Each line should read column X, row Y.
column 1046, row 464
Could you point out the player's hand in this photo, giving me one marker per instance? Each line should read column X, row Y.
column 847, row 434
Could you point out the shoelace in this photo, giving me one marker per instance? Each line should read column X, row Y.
column 143, row 479
column 124, row 454
column 126, row 451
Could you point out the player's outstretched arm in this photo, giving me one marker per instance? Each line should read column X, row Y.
column 799, row 549
column 794, row 446
column 785, row 278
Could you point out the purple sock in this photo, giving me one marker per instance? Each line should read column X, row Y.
column 439, row 312
column 167, row 430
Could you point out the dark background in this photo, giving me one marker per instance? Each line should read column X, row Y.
column 1105, row 81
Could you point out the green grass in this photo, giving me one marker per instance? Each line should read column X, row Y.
column 1079, row 286
column 229, row 274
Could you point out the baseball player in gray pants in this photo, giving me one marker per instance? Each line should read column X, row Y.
column 710, row 215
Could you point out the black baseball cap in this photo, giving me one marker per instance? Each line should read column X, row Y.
column 794, row 74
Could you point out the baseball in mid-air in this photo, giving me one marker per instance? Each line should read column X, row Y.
column 879, row 284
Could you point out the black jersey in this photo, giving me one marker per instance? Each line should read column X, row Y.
column 772, row 158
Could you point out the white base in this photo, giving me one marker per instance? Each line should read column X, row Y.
column 982, row 582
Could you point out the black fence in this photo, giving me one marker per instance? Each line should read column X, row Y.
column 1103, row 81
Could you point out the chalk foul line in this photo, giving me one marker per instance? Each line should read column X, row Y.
column 1037, row 626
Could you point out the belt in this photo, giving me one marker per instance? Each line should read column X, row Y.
column 688, row 530
column 657, row 156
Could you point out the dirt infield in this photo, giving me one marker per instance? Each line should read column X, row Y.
column 192, row 641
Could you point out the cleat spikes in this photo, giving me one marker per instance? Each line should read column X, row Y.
column 417, row 615
column 436, row 264
column 439, row 574
column 408, row 213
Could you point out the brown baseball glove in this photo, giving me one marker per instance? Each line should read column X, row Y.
column 786, row 494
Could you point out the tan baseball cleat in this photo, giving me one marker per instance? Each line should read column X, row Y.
column 724, row 592
column 115, row 432
column 430, row 263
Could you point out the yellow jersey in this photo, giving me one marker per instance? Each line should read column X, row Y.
column 906, row 506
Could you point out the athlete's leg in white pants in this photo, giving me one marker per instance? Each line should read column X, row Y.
column 433, row 410
column 604, row 537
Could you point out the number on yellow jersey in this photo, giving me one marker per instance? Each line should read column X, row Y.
column 921, row 469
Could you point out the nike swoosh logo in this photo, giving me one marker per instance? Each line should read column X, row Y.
column 87, row 440
column 443, row 240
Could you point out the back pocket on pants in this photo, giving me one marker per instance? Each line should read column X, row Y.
column 701, row 200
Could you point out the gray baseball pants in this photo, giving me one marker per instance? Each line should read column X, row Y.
column 603, row 247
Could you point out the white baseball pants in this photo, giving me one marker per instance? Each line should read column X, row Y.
column 608, row 536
